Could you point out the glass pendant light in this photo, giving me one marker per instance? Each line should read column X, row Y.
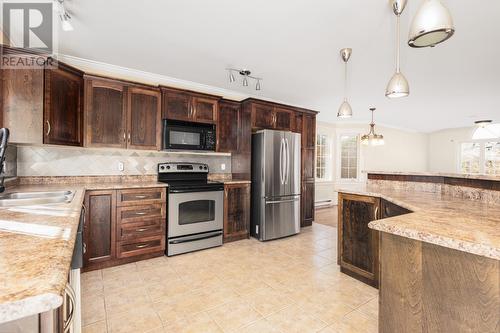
column 398, row 85
column 431, row 25
column 345, row 110
column 372, row 138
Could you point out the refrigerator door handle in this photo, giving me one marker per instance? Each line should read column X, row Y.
column 287, row 173
column 281, row 201
column 282, row 176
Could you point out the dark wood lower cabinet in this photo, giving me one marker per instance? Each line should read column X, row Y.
column 236, row 212
column 358, row 245
column 123, row 226
column 307, row 204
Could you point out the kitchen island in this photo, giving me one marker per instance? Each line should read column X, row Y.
column 437, row 261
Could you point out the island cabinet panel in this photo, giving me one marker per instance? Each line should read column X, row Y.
column 63, row 106
column 436, row 289
column 144, row 118
column 236, row 212
column 228, row 129
column 189, row 106
column 123, row 226
column 99, row 228
column 105, row 113
column 389, row 209
column 358, row 245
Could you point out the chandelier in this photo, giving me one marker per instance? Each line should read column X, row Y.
column 372, row 138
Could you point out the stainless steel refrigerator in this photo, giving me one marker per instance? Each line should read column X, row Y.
column 275, row 184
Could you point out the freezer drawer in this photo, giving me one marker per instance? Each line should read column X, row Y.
column 281, row 217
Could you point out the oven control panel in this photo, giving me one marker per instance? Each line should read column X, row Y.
column 179, row 167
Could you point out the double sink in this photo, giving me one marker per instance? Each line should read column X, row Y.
column 35, row 198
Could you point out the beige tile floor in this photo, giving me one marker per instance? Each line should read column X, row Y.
column 287, row 285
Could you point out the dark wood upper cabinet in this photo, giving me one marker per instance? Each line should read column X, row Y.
column 297, row 126
column 204, row 109
column 228, row 126
column 309, row 131
column 144, row 118
column 99, row 227
column 105, row 113
column 189, row 106
column 262, row 116
column 283, row 119
column 236, row 212
column 358, row 245
column 176, row 105
column 63, row 106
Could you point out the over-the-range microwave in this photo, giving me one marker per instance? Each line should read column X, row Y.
column 188, row 136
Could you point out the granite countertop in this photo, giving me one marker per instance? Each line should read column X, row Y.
column 36, row 246
column 236, row 181
column 437, row 174
column 464, row 225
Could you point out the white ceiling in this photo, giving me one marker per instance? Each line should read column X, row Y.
column 294, row 46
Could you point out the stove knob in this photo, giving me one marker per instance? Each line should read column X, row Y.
column 201, row 167
column 168, row 167
column 162, row 168
column 205, row 167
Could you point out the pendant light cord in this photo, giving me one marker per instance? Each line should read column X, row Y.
column 398, row 42
column 345, row 82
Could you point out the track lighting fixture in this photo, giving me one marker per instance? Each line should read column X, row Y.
column 245, row 73
column 64, row 16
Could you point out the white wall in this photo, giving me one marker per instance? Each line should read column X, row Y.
column 403, row 150
column 443, row 148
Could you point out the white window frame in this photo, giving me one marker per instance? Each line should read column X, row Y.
column 338, row 156
column 329, row 162
column 482, row 154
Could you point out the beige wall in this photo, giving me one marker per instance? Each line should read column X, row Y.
column 443, row 148
column 402, row 151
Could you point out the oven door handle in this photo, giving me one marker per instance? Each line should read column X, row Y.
column 180, row 241
column 197, row 190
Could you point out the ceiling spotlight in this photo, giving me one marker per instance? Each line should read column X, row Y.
column 65, row 23
column 482, row 123
column 64, row 16
column 245, row 73
column 431, row 25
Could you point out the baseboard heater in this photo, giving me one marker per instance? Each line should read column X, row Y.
column 323, row 203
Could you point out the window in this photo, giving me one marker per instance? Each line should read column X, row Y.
column 348, row 157
column 492, row 158
column 480, row 157
column 323, row 157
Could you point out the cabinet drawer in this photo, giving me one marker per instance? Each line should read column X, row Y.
column 135, row 230
column 131, row 197
column 140, row 213
column 140, row 246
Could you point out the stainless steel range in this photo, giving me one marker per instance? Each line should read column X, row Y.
column 195, row 207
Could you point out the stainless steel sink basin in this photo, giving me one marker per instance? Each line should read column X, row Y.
column 35, row 198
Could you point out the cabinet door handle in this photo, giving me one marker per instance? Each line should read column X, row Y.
column 141, row 246
column 84, row 248
column 376, row 211
column 48, row 127
column 141, row 229
column 140, row 196
column 128, row 137
column 124, row 136
column 140, row 213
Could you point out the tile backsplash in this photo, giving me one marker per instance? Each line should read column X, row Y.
column 76, row 161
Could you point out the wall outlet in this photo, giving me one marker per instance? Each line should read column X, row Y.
column 223, row 166
column 121, row 166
